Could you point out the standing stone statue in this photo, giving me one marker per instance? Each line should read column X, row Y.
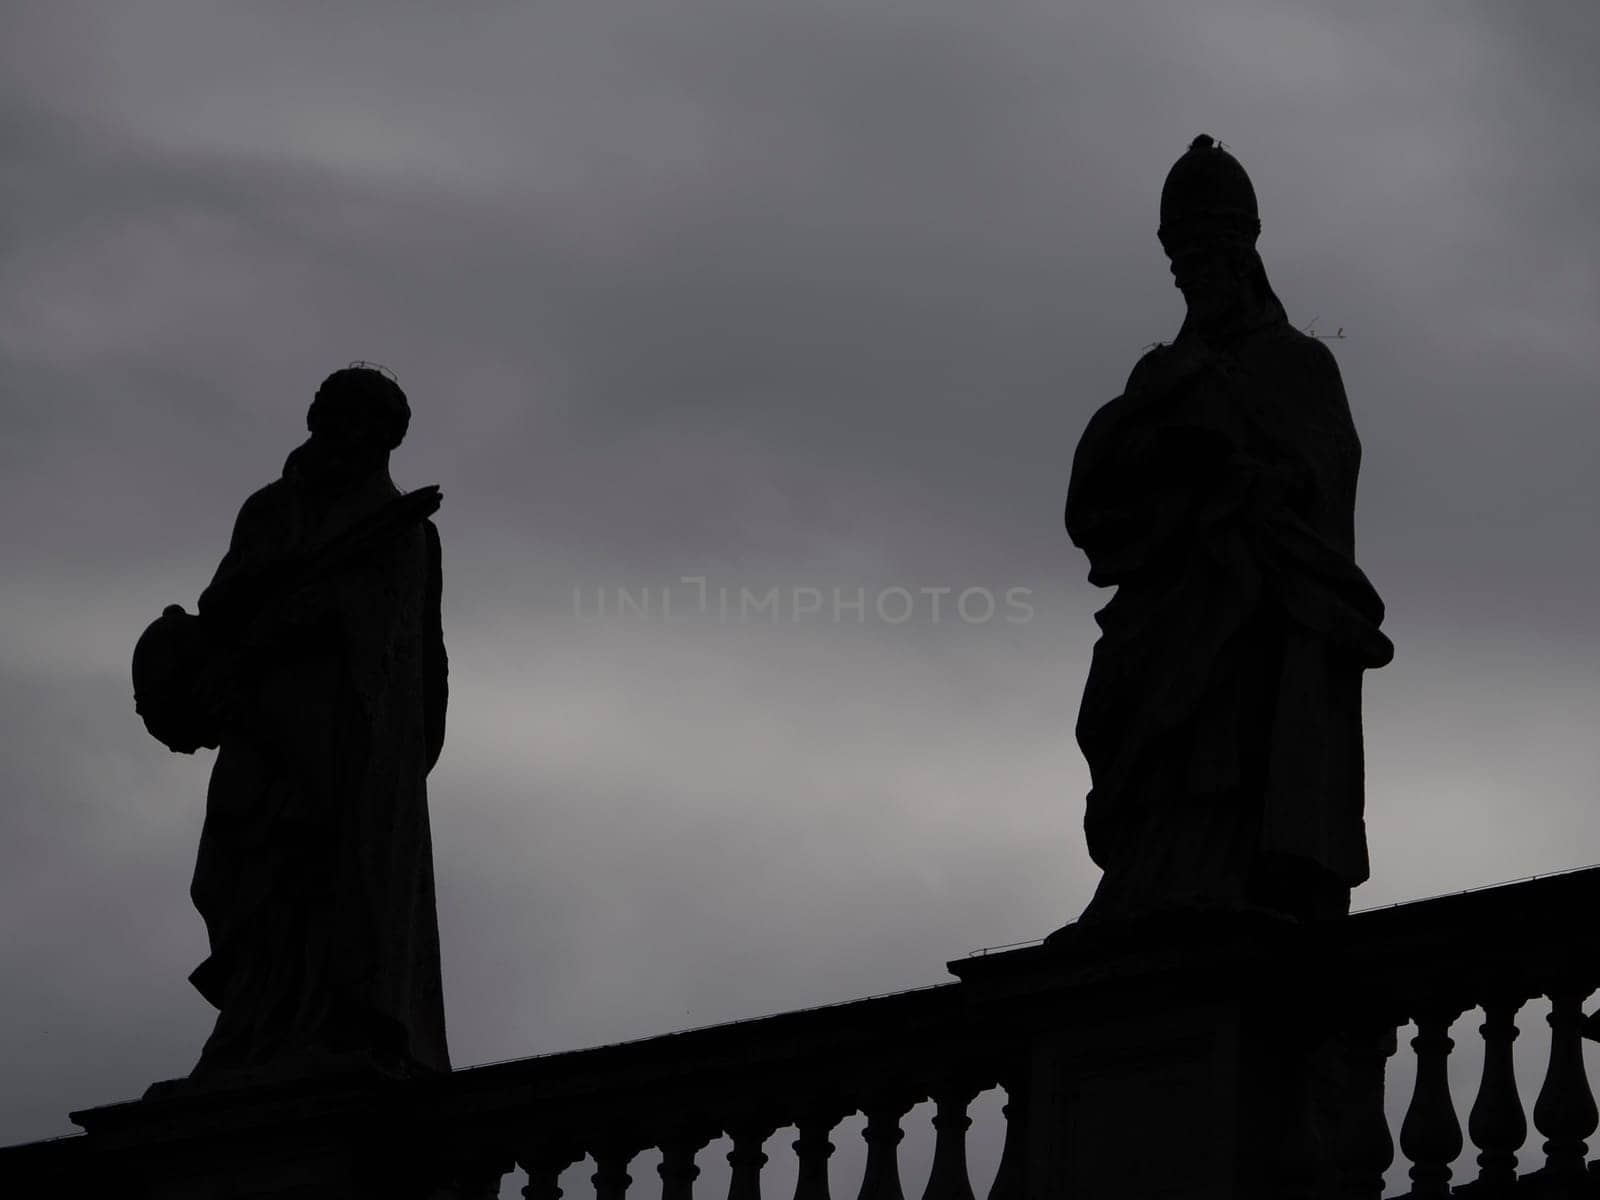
column 316, row 664
column 1221, row 719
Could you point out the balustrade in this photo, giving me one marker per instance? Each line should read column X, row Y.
column 948, row 1178
column 1565, row 1110
column 880, row 1180
column 611, row 1159
column 1008, row 1178
column 747, row 1158
column 812, row 1149
column 544, row 1167
column 1092, row 1037
column 677, row 1167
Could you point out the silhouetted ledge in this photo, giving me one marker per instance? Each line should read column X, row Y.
column 1249, row 1050
column 1447, row 939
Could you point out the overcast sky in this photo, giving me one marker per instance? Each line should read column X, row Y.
column 778, row 294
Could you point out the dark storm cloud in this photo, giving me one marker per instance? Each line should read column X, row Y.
column 783, row 295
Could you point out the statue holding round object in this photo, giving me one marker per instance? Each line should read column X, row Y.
column 316, row 665
column 167, row 662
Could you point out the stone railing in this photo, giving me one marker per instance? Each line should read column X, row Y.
column 1203, row 1055
column 1430, row 962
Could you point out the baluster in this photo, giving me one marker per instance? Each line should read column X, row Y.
column 948, row 1178
column 1565, row 1110
column 677, row 1167
column 747, row 1158
column 1497, row 1123
column 880, row 1179
column 1008, row 1178
column 470, row 1169
column 1431, row 1134
column 1363, row 1148
column 544, row 1165
column 813, row 1149
column 611, row 1178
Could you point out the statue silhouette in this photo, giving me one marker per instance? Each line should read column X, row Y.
column 1221, row 718
column 317, row 664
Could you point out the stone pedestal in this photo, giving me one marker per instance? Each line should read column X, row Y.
column 330, row 1137
column 308, row 1139
column 1182, row 1058
column 1145, row 1103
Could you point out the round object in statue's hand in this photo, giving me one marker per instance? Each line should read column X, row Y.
column 167, row 661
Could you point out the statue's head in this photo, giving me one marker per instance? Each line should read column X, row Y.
column 1209, row 226
column 359, row 414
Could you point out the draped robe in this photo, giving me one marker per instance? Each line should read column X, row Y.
column 1221, row 718
column 315, row 872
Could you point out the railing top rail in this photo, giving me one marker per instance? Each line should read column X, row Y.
column 1471, row 891
column 1544, row 910
column 768, row 1021
column 1558, row 908
column 41, row 1153
column 855, row 1032
column 1391, row 961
